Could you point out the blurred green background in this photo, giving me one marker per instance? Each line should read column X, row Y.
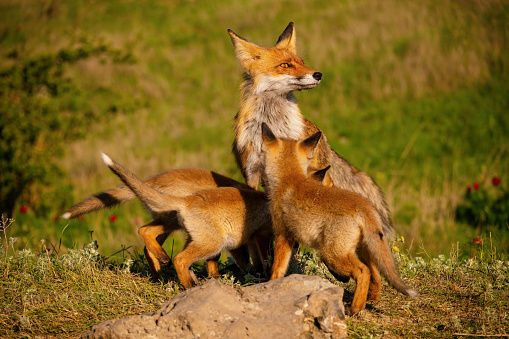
column 416, row 94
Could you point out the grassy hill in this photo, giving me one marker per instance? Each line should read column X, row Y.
column 415, row 94
column 64, row 295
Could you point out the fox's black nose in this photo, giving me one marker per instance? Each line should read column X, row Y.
column 317, row 75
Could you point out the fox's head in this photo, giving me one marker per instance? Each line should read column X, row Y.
column 275, row 69
column 284, row 157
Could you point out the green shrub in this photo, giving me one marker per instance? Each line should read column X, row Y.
column 40, row 111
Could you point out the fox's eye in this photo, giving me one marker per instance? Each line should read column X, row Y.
column 285, row 65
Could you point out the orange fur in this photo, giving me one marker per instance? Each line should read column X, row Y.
column 215, row 219
column 271, row 76
column 343, row 226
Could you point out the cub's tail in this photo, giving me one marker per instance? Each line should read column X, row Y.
column 376, row 243
column 152, row 198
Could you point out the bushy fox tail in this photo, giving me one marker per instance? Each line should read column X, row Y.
column 109, row 198
column 376, row 243
column 152, row 198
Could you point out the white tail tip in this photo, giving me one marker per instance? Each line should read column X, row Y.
column 412, row 293
column 107, row 160
column 66, row 215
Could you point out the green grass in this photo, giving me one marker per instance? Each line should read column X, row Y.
column 61, row 295
column 414, row 94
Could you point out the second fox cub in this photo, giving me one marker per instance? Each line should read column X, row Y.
column 271, row 76
column 342, row 225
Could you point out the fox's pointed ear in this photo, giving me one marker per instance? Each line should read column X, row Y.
column 309, row 144
column 267, row 136
column 288, row 39
column 246, row 51
column 320, row 174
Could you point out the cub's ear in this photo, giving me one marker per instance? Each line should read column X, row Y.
column 309, row 144
column 288, row 39
column 319, row 175
column 312, row 141
column 246, row 51
column 267, row 136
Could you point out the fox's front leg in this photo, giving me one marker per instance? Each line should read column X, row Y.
column 282, row 253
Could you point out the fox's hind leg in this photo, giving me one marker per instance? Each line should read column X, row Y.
column 153, row 235
column 263, row 242
column 342, row 278
column 252, row 247
column 213, row 267
column 375, row 283
column 282, row 254
column 349, row 265
column 153, row 262
column 241, row 257
column 192, row 252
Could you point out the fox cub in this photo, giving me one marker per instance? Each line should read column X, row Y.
column 215, row 219
column 343, row 226
column 271, row 76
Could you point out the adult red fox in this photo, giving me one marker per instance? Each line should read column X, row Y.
column 343, row 226
column 271, row 76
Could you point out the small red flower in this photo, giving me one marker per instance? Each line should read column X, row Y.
column 477, row 240
column 495, row 181
column 138, row 221
column 469, row 189
column 56, row 218
column 23, row 209
column 81, row 218
column 477, row 186
column 113, row 218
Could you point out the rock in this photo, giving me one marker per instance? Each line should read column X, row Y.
column 297, row 306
